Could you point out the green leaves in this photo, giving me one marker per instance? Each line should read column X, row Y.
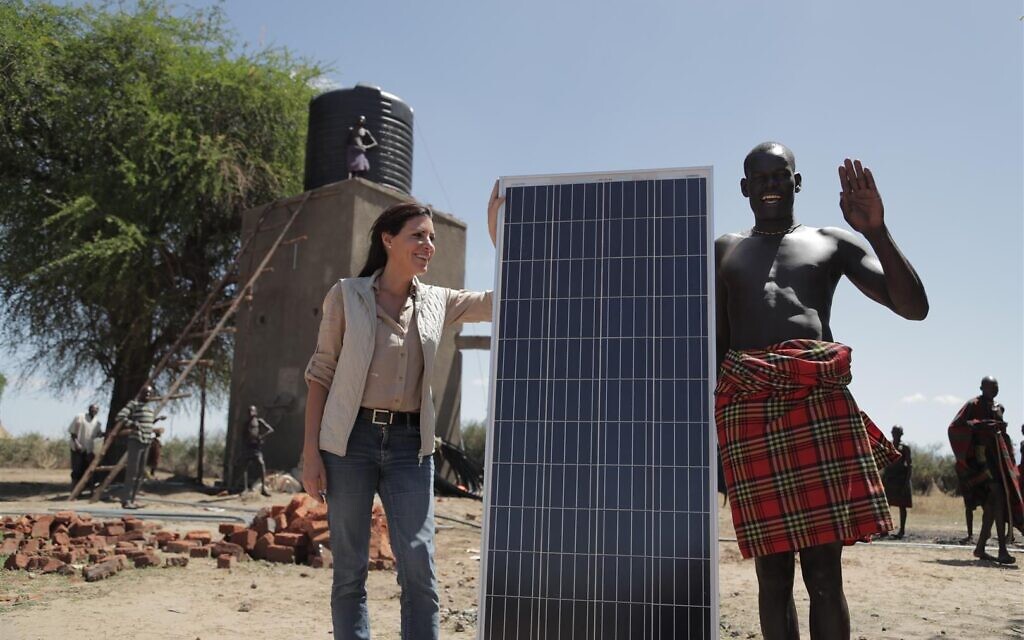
column 130, row 143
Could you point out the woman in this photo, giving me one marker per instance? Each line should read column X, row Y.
column 370, row 414
column 360, row 140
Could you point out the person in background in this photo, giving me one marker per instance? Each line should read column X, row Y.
column 84, row 429
column 257, row 430
column 897, row 480
column 138, row 418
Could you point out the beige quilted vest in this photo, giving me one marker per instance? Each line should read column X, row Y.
column 357, row 351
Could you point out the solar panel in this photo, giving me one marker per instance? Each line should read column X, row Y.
column 599, row 516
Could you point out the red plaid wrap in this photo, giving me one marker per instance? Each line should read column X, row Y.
column 800, row 459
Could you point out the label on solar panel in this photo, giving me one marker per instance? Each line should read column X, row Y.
column 600, row 517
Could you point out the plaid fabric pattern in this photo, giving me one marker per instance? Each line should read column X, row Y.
column 978, row 424
column 800, row 459
column 969, row 473
column 992, row 435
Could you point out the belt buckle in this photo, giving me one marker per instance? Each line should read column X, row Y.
column 390, row 419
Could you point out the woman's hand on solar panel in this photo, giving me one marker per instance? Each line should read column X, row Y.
column 493, row 205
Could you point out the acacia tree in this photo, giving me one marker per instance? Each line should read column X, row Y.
column 130, row 143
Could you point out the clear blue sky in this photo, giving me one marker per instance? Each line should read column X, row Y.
column 928, row 94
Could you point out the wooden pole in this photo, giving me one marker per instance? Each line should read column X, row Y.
column 202, row 411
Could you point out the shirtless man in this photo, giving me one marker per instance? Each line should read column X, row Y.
column 775, row 283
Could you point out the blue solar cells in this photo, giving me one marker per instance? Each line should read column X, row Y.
column 599, row 518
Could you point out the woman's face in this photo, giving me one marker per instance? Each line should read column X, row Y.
column 412, row 248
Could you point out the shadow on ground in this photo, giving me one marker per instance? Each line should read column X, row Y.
column 974, row 562
column 60, row 491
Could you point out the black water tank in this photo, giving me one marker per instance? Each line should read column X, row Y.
column 388, row 119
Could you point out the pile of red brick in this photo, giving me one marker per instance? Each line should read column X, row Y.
column 293, row 533
column 53, row 543
column 298, row 533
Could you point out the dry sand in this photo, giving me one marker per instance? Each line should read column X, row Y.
column 899, row 589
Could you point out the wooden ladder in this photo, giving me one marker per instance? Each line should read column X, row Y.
column 187, row 334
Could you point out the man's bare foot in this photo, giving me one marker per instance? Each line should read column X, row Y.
column 1005, row 558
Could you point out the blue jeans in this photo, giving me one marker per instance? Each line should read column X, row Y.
column 382, row 460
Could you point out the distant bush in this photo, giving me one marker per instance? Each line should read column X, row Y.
column 474, row 440
column 178, row 455
column 33, row 451
column 934, row 466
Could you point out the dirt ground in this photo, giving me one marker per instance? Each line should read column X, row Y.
column 910, row 589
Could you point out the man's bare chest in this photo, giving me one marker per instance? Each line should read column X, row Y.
column 754, row 264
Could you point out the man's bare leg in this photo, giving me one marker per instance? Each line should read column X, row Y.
column 1002, row 526
column 969, row 516
column 988, row 515
column 822, row 569
column 775, row 596
column 903, row 522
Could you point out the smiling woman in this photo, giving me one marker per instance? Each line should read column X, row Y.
column 370, row 414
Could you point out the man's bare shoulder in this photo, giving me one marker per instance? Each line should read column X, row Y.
column 838, row 234
column 728, row 239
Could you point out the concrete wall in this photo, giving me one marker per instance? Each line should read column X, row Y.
column 277, row 328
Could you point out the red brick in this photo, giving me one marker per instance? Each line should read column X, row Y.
column 17, row 562
column 132, row 534
column 280, row 522
column 100, row 571
column 324, row 538
column 288, row 539
column 134, row 524
column 228, row 528
column 64, row 517
column 298, row 525
column 277, row 510
column 113, row 529
column 199, row 552
column 31, row 546
column 9, row 546
column 259, row 550
column 202, row 537
column 180, row 546
column 177, row 561
column 148, row 559
column 61, row 537
column 317, row 512
column 74, row 556
column 52, row 565
column 245, row 538
column 165, row 536
column 220, row 548
column 225, row 561
column 279, row 553
column 41, row 527
column 81, row 529
column 264, row 524
column 317, row 527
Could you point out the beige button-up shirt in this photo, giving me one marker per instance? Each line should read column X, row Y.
column 395, row 378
